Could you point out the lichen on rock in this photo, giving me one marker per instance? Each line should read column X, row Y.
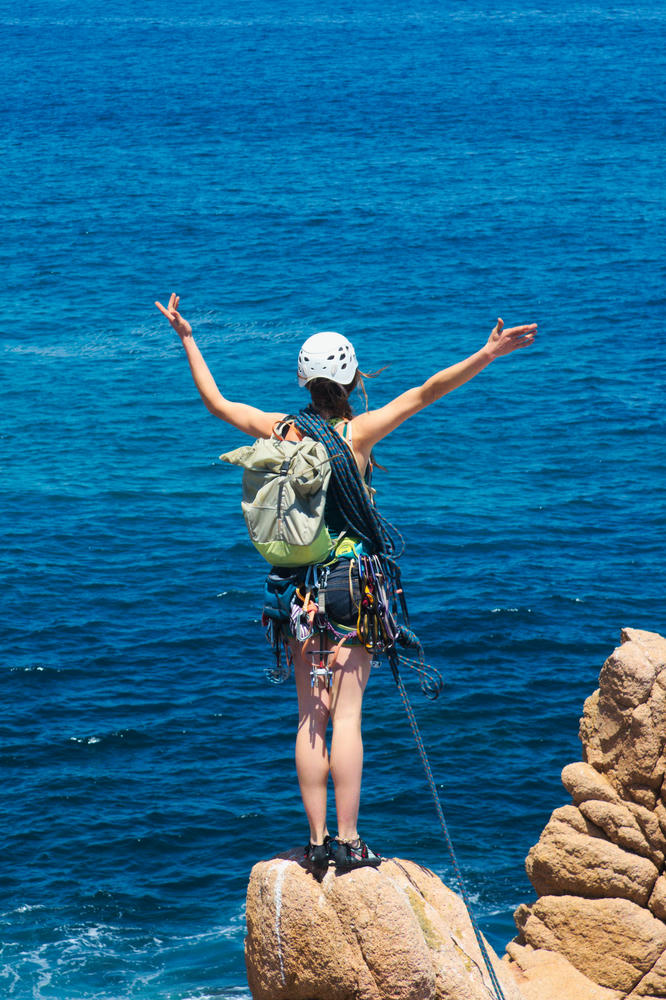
column 392, row 933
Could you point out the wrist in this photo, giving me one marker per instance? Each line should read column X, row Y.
column 487, row 355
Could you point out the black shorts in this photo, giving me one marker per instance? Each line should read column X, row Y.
column 342, row 593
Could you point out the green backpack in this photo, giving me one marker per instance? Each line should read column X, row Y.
column 284, row 495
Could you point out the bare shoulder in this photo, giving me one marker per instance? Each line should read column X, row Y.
column 372, row 426
column 251, row 420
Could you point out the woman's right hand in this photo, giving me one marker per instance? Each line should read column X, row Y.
column 503, row 341
column 180, row 325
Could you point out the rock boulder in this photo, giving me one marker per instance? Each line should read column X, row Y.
column 598, row 868
column 392, row 933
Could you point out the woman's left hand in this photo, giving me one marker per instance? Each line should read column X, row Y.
column 503, row 341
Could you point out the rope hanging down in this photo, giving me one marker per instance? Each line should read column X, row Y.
column 442, row 822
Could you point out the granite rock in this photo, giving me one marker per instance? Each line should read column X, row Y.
column 547, row 975
column 653, row 984
column 624, row 721
column 613, row 942
column 573, row 857
column 392, row 933
column 598, row 867
column 597, row 930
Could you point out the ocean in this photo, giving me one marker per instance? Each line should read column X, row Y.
column 404, row 173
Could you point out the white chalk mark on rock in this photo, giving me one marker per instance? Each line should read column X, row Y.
column 279, row 879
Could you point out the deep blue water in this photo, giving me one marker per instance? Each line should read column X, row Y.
column 404, row 173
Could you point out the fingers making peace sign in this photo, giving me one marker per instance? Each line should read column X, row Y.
column 180, row 325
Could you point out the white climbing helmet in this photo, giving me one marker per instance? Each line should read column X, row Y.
column 327, row 355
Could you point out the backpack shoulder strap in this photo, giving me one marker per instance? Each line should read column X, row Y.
column 286, row 429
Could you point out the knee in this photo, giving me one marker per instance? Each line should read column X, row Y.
column 313, row 724
column 347, row 721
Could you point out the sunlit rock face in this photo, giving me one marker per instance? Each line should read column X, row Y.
column 598, row 867
column 391, row 933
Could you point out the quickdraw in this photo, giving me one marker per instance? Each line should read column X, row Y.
column 321, row 671
column 302, row 616
column 280, row 671
column 376, row 625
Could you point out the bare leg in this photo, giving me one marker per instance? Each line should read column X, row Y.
column 343, row 705
column 312, row 764
column 350, row 678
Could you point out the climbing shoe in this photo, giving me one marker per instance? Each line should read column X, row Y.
column 348, row 855
column 318, row 856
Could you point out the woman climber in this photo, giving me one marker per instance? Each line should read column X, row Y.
column 353, row 619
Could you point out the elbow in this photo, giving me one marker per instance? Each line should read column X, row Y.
column 214, row 405
column 426, row 395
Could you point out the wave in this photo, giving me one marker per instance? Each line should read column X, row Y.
column 46, row 956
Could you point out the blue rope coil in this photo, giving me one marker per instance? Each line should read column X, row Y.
column 348, row 489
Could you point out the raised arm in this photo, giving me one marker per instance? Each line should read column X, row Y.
column 246, row 418
column 371, row 427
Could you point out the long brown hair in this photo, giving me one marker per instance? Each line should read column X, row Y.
column 330, row 399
